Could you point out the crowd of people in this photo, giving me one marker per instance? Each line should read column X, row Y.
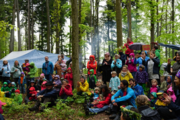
column 129, row 81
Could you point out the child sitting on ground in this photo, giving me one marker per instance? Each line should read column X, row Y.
column 18, row 97
column 57, row 83
column 5, row 87
column 154, row 87
column 99, row 83
column 153, row 100
column 92, row 79
column 159, row 102
column 8, row 89
column 13, row 88
column 22, row 82
column 114, row 84
column 33, row 93
column 95, row 93
column 100, row 98
column 43, row 86
column 170, row 92
column 69, row 76
column 163, row 85
column 169, row 81
column 142, row 77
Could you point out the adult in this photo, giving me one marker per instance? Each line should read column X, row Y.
column 152, row 67
column 106, row 68
column 48, row 69
column 175, row 107
column 16, row 72
column 138, row 90
column 128, row 51
column 157, row 51
column 174, row 69
column 127, row 97
column 66, row 90
column 144, row 109
column 57, row 67
column 83, row 86
column 45, row 96
column 122, row 57
column 142, row 59
column 116, row 64
column 125, row 74
column 104, row 104
column 32, row 71
column 5, row 69
column 25, row 67
column 92, row 64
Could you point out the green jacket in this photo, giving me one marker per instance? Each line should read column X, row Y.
column 92, row 75
column 5, row 88
column 163, row 86
column 33, row 70
column 157, row 53
column 17, row 73
column 18, row 98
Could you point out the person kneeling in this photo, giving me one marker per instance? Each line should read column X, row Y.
column 66, row 90
column 44, row 96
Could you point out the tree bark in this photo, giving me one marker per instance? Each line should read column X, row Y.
column 97, row 29
column 119, row 23
column 129, row 18
column 48, row 26
column 152, row 22
column 18, row 25
column 75, row 43
column 80, row 47
column 29, row 39
column 32, row 29
column 166, row 29
column 173, row 12
column 70, row 30
column 157, row 13
column 11, row 46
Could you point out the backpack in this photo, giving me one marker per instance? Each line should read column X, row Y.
column 149, row 114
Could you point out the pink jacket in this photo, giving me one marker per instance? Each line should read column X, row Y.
column 154, row 89
column 172, row 94
column 131, row 66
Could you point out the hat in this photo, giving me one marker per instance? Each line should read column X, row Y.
column 13, row 83
column 42, row 74
column 97, row 88
column 32, row 81
column 17, row 91
column 44, row 82
column 83, row 77
column 178, row 74
column 117, row 55
column 8, row 81
column 49, row 83
column 141, row 66
column 107, row 53
column 26, row 59
column 22, row 73
column 32, row 88
column 113, row 72
column 57, row 76
column 5, row 83
column 160, row 92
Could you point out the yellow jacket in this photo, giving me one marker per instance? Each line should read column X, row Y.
column 160, row 103
column 8, row 101
column 126, row 77
column 84, row 87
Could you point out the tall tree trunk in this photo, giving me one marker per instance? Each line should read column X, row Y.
column 48, row 26
column 26, row 35
column 80, row 46
column 173, row 12
column 166, row 29
column 161, row 19
column 108, row 36
column 32, row 29
column 152, row 22
column 75, row 42
column 157, row 13
column 97, row 30
column 129, row 18
column 29, row 39
column 119, row 23
column 18, row 25
column 70, row 39
column 11, row 46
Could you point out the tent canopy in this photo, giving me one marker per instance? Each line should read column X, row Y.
column 34, row 55
column 176, row 47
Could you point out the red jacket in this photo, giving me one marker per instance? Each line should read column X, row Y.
column 128, row 51
column 105, row 102
column 92, row 64
column 67, row 90
column 69, row 76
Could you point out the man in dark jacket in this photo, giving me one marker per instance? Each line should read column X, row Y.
column 122, row 57
column 44, row 96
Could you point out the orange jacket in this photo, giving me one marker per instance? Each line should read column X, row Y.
column 92, row 64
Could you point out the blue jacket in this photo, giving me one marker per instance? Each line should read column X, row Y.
column 130, row 96
column 118, row 64
column 6, row 69
column 138, row 90
column 156, row 65
column 175, row 107
column 114, row 83
column 96, row 95
column 49, row 70
column 52, row 93
column 122, row 58
column 140, row 62
column 24, row 81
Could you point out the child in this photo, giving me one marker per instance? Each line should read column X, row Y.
column 69, row 76
column 171, row 93
column 142, row 77
column 22, row 82
column 92, row 79
column 159, row 102
column 33, row 93
column 114, row 84
column 131, row 65
column 163, row 85
column 42, row 77
column 43, row 86
column 96, row 93
column 99, row 83
column 13, row 88
column 53, row 77
column 169, row 81
column 18, row 97
column 153, row 100
column 57, row 83
column 116, row 65
column 5, row 87
column 63, row 67
column 100, row 98
column 154, row 87
column 8, row 92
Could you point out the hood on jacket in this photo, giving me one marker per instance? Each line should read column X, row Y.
column 13, row 83
column 158, row 50
column 132, row 54
column 92, row 71
column 145, row 53
column 8, row 81
column 170, row 90
column 5, row 83
column 69, row 69
column 32, row 64
column 154, row 94
column 92, row 56
column 142, row 66
column 57, row 76
column 32, row 89
column 44, row 83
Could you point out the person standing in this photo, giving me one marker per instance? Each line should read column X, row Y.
column 5, row 69
column 57, row 67
column 48, row 69
column 16, row 72
column 92, row 64
column 106, row 68
column 25, row 67
column 32, row 72
column 122, row 57
column 128, row 51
